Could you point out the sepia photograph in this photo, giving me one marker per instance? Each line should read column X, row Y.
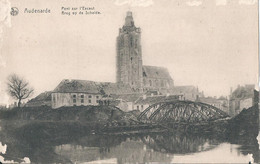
column 129, row 81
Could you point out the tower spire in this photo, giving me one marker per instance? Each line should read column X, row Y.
column 129, row 21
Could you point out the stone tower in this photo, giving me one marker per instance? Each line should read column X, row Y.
column 129, row 55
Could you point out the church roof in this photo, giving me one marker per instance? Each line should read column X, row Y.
column 85, row 86
column 156, row 72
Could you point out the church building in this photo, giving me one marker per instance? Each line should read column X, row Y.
column 130, row 68
column 133, row 79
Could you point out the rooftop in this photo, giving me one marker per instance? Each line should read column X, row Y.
column 45, row 96
column 156, row 72
column 92, row 87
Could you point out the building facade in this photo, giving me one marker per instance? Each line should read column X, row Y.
column 243, row 97
column 84, row 92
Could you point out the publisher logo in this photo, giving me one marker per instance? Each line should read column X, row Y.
column 14, row 11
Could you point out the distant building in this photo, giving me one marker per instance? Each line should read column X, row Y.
column 189, row 92
column 220, row 103
column 43, row 99
column 241, row 98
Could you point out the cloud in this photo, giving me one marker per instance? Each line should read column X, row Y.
column 247, row 2
column 194, row 3
column 139, row 3
column 221, row 2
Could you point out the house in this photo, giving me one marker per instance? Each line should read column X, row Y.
column 84, row 92
column 220, row 103
column 241, row 98
column 43, row 99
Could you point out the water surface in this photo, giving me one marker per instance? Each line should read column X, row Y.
column 58, row 143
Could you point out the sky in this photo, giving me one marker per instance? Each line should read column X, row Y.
column 212, row 44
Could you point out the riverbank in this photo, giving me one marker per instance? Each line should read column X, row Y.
column 84, row 114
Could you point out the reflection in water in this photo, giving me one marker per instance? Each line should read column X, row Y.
column 223, row 153
column 52, row 143
column 179, row 144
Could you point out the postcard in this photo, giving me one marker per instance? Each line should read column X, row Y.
column 129, row 81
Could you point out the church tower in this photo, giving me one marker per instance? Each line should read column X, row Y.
column 129, row 55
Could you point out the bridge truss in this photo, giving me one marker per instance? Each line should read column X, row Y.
column 181, row 111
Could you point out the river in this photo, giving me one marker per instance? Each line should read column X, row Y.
column 55, row 143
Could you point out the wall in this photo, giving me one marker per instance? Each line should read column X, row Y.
column 190, row 96
column 141, row 107
column 123, row 106
column 129, row 58
column 246, row 103
column 153, row 83
column 130, row 106
column 74, row 99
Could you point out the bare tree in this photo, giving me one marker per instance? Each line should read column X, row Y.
column 18, row 88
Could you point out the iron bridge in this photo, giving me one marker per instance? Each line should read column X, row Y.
column 181, row 111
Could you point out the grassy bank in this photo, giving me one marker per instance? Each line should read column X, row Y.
column 80, row 113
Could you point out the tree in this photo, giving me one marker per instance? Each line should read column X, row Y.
column 18, row 88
